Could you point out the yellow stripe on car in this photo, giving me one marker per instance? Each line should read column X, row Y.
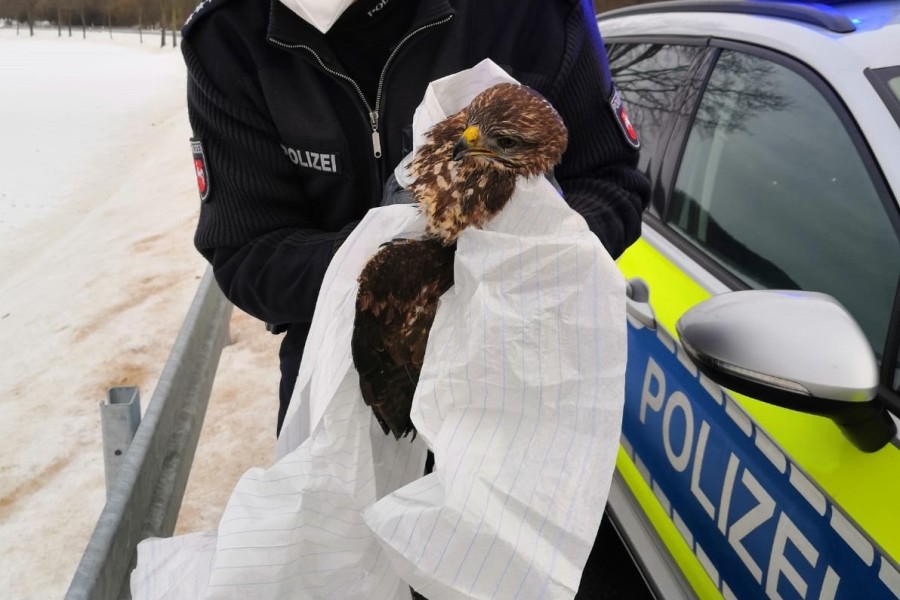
column 865, row 486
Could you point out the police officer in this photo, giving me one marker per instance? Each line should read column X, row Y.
column 301, row 109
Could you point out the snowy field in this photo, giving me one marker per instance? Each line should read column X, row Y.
column 97, row 270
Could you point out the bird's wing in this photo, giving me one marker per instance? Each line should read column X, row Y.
column 396, row 303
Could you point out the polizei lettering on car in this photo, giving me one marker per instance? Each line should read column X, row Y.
column 755, row 522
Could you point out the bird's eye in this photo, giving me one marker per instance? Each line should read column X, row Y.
column 506, row 142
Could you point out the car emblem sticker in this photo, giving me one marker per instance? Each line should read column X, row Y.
column 618, row 108
column 200, row 168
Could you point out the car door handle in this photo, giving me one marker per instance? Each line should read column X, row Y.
column 637, row 302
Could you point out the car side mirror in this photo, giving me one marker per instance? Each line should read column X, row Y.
column 795, row 349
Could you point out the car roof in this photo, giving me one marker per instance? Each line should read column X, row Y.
column 869, row 30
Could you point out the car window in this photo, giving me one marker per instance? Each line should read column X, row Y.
column 893, row 84
column 649, row 77
column 772, row 187
column 887, row 83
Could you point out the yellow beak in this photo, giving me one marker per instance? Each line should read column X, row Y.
column 469, row 143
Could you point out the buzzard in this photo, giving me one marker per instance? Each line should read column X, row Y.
column 463, row 175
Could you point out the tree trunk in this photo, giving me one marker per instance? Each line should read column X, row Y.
column 174, row 25
column 109, row 21
column 59, row 21
column 83, row 24
column 163, row 9
column 141, row 23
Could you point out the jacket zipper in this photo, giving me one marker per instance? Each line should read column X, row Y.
column 373, row 113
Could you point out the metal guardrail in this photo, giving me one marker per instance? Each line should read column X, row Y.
column 146, row 496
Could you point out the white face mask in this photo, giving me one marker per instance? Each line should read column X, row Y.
column 321, row 14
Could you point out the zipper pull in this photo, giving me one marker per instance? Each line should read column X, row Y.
column 376, row 137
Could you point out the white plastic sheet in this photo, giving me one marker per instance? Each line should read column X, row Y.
column 520, row 399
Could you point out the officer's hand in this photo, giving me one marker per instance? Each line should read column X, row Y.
column 394, row 194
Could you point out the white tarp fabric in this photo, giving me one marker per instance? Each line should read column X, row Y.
column 520, row 399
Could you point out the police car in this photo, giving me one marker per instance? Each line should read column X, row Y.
column 759, row 456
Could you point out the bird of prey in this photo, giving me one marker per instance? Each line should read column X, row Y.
column 463, row 175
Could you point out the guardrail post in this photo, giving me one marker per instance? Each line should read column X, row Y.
column 120, row 416
column 146, row 495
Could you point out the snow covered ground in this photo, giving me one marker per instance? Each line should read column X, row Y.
column 97, row 270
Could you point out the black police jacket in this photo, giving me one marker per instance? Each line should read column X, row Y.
column 292, row 155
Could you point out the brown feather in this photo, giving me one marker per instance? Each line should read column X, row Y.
column 395, row 307
column 518, row 133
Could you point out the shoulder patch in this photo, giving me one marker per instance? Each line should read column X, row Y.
column 618, row 107
column 201, row 170
column 203, row 8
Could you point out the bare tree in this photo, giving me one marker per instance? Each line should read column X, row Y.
column 83, row 21
column 174, row 22
column 30, row 8
column 64, row 9
column 163, row 10
column 80, row 7
column 13, row 9
column 173, row 14
column 108, row 6
column 147, row 11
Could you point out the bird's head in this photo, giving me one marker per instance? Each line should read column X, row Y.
column 511, row 127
